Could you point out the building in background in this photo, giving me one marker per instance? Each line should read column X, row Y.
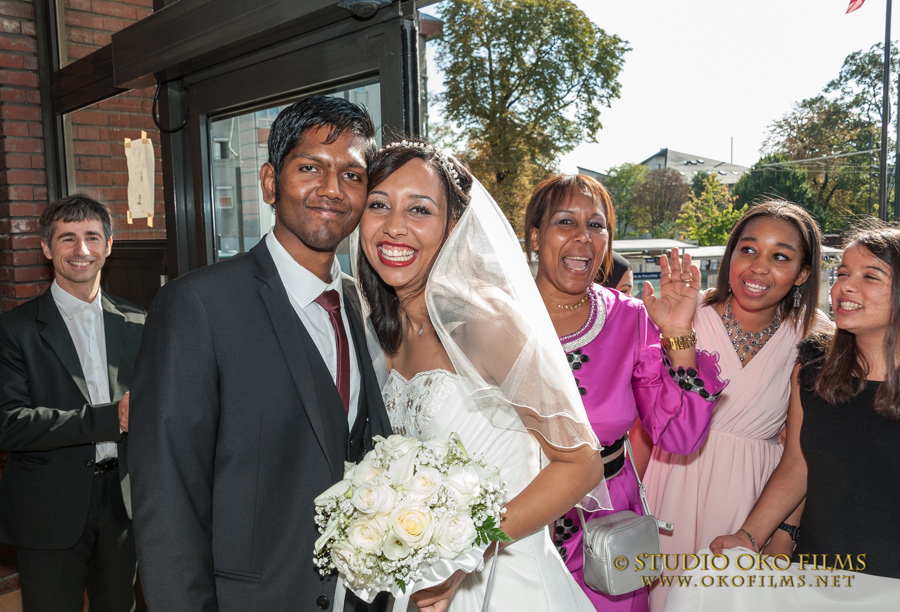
column 690, row 165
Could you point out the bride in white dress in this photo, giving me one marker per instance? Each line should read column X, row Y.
column 470, row 349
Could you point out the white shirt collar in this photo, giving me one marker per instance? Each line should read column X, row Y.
column 301, row 284
column 69, row 305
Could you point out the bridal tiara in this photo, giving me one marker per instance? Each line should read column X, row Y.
column 428, row 148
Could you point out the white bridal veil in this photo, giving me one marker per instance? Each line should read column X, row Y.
column 491, row 320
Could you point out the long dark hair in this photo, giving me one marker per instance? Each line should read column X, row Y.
column 843, row 374
column 553, row 192
column 811, row 245
column 457, row 184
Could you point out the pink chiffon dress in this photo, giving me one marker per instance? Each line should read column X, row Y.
column 711, row 491
column 618, row 365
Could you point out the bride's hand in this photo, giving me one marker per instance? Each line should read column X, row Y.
column 437, row 598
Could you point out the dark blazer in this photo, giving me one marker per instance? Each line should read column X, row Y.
column 49, row 424
column 236, row 426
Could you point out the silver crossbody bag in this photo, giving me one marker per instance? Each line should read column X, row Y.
column 618, row 547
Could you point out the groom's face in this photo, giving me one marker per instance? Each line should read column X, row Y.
column 320, row 192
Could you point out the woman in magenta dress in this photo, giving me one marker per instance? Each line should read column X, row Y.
column 613, row 345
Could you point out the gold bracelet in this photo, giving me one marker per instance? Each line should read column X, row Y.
column 678, row 343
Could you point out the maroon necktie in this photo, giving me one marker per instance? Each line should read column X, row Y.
column 331, row 301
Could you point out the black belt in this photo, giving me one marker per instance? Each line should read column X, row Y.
column 110, row 463
column 613, row 458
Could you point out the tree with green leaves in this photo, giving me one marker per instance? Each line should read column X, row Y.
column 830, row 136
column 622, row 183
column 658, row 201
column 698, row 183
column 774, row 176
column 526, row 81
column 860, row 84
column 710, row 216
column 817, row 135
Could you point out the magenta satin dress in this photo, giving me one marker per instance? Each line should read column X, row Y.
column 621, row 375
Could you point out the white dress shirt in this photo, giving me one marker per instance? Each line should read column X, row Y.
column 303, row 287
column 84, row 321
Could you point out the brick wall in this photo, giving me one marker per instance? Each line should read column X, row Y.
column 90, row 24
column 98, row 139
column 101, row 171
column 23, row 182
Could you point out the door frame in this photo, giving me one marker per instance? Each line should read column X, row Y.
column 323, row 62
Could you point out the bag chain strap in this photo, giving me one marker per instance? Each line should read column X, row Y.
column 667, row 526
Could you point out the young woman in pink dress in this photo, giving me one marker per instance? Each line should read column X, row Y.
column 613, row 345
column 763, row 304
column 843, row 431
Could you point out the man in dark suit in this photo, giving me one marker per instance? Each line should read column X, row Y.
column 244, row 408
column 66, row 362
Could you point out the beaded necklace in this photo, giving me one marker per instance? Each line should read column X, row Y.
column 745, row 342
column 577, row 304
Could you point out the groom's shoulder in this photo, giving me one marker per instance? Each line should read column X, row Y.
column 224, row 274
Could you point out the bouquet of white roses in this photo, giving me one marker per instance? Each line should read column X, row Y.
column 409, row 506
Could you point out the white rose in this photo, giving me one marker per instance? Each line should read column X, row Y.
column 366, row 534
column 463, row 485
column 338, row 489
column 454, row 535
column 425, row 484
column 364, row 472
column 374, row 497
column 394, row 547
column 413, row 523
column 344, row 557
column 487, row 475
column 397, row 445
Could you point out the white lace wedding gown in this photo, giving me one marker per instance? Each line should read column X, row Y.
column 530, row 574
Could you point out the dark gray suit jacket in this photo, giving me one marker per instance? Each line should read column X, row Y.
column 49, row 424
column 236, row 425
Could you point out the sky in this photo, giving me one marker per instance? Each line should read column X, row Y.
column 707, row 77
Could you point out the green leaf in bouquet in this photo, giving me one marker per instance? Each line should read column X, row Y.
column 489, row 532
column 401, row 584
column 457, row 448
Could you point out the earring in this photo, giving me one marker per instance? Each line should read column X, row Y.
column 798, row 297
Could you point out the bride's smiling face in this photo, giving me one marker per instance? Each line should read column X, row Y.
column 404, row 224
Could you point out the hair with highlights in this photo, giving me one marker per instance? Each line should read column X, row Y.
column 553, row 192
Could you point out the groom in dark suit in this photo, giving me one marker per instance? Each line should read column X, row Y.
column 254, row 386
column 66, row 361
